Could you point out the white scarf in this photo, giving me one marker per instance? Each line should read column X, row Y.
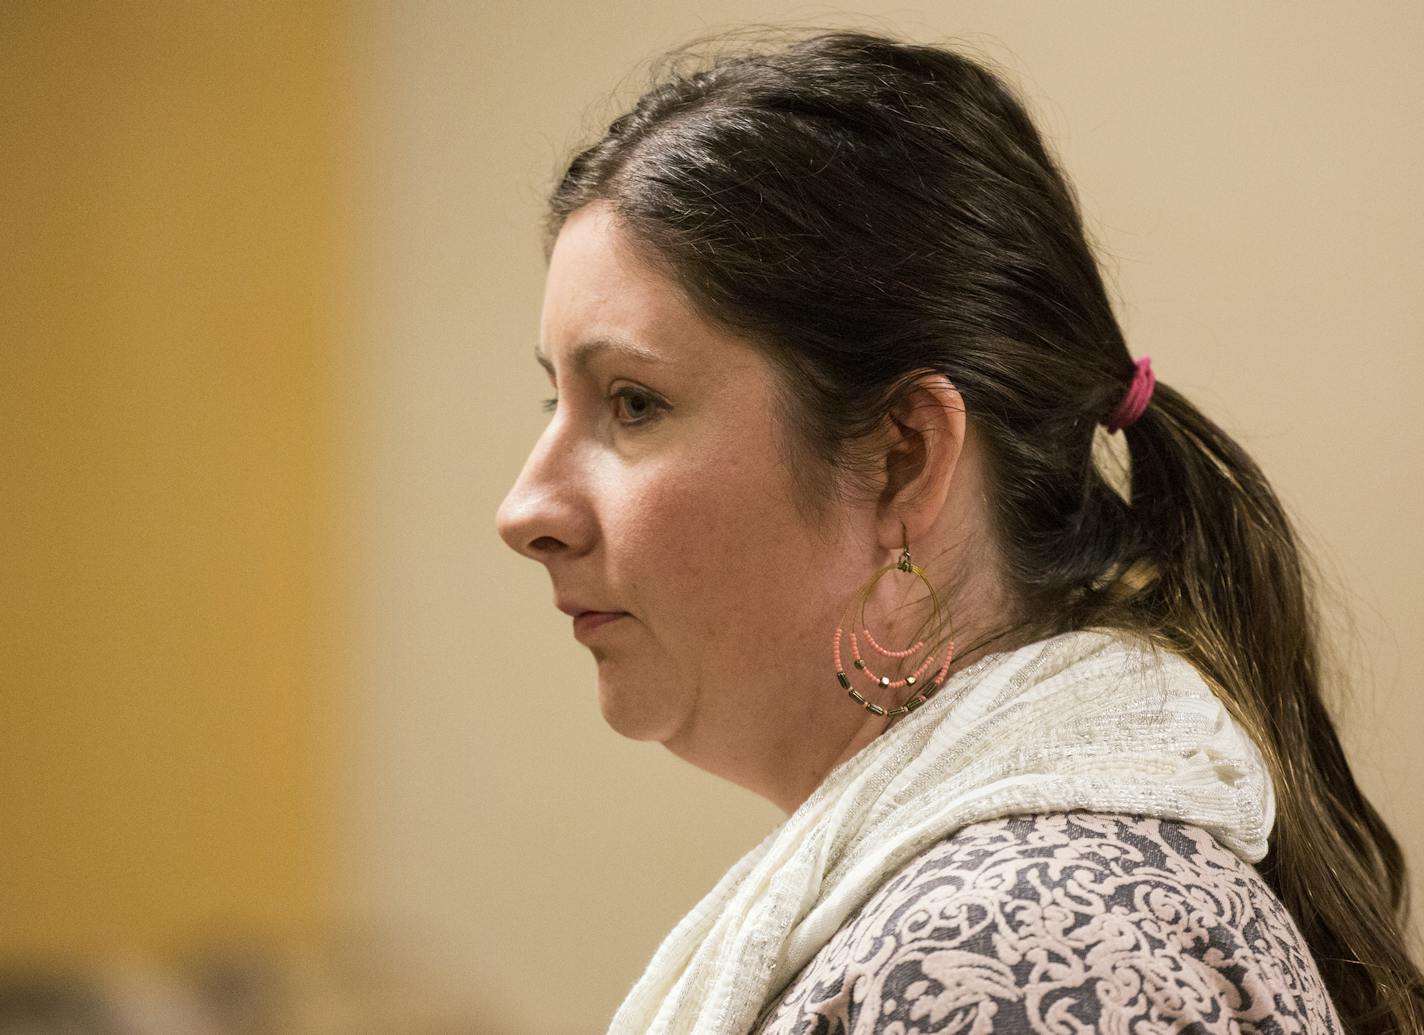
column 1090, row 720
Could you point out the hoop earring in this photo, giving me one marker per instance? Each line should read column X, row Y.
column 904, row 564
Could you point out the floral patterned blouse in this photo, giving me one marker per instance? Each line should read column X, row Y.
column 1063, row 924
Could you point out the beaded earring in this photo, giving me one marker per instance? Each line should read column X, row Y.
column 885, row 682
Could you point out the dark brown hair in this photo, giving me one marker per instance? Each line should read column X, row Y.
column 866, row 209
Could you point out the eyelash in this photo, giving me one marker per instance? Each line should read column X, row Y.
column 654, row 405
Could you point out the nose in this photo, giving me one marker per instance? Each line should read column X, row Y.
column 545, row 514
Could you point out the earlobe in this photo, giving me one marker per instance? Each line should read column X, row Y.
column 925, row 439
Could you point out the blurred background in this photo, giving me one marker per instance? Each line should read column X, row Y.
column 289, row 740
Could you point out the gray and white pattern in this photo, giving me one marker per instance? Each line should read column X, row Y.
column 1063, row 924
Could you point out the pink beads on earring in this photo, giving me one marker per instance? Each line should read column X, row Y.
column 885, row 682
column 888, row 653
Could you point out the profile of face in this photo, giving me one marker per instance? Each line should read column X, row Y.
column 659, row 490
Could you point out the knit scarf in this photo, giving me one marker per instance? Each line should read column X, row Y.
column 1093, row 719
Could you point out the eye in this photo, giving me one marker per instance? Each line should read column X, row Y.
column 641, row 406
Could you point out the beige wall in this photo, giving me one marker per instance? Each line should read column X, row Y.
column 269, row 283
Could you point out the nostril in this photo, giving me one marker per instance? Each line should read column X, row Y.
column 545, row 544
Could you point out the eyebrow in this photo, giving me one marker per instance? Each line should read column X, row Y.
column 582, row 354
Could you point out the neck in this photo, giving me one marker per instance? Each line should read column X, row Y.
column 790, row 796
column 826, row 730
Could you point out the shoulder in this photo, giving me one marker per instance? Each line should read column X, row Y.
column 1065, row 921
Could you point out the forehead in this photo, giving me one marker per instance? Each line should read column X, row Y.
column 600, row 298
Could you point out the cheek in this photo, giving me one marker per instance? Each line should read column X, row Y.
column 720, row 541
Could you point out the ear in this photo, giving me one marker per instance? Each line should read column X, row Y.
column 924, row 441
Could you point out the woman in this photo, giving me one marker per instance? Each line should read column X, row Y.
column 823, row 490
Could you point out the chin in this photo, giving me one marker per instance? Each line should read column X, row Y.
column 638, row 712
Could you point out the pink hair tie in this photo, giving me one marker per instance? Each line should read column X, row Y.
column 1139, row 393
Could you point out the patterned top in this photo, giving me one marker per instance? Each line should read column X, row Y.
column 1066, row 923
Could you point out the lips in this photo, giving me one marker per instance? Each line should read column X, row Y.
column 586, row 618
column 588, row 621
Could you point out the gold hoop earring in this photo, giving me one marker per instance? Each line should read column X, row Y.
column 904, row 564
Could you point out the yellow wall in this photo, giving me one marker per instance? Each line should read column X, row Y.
column 168, row 201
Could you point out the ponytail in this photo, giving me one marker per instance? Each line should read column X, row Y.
column 1220, row 579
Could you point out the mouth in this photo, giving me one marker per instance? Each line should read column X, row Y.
column 588, row 621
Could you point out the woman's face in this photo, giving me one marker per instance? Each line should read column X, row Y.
column 658, row 490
